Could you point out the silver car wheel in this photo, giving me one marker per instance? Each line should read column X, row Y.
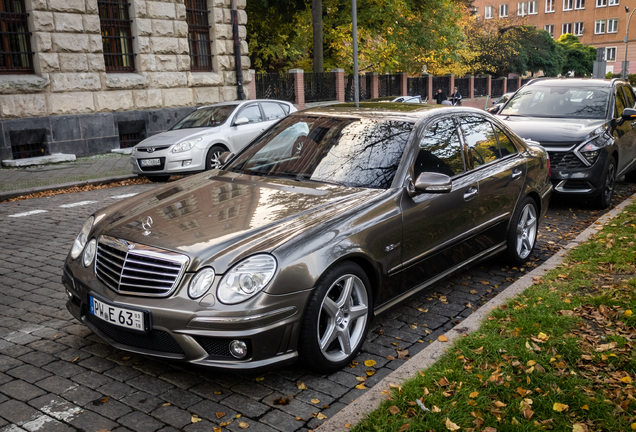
column 215, row 160
column 526, row 231
column 342, row 319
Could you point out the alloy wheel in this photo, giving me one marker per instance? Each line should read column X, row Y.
column 215, row 160
column 609, row 183
column 526, row 231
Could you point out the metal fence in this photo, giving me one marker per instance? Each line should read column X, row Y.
column 417, row 86
column 275, row 86
column 513, row 84
column 496, row 88
column 463, row 85
column 481, row 86
column 320, row 87
column 525, row 81
column 364, row 88
column 441, row 82
column 389, row 85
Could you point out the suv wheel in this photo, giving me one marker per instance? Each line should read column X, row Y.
column 609, row 180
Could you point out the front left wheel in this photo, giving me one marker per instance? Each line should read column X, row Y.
column 213, row 158
column 336, row 319
column 522, row 234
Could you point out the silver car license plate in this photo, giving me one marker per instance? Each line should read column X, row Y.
column 150, row 162
column 122, row 317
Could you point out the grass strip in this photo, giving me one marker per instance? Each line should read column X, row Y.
column 560, row 356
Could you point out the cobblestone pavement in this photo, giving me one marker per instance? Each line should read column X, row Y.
column 55, row 375
column 94, row 167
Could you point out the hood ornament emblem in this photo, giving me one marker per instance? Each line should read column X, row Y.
column 150, row 150
column 146, row 225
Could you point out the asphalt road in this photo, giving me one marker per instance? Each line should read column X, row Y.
column 56, row 375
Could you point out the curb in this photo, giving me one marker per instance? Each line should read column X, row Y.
column 369, row 401
column 13, row 194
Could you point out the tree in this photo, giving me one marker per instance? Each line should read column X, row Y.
column 542, row 52
column 579, row 58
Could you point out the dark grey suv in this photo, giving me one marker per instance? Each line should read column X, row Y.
column 587, row 127
column 331, row 216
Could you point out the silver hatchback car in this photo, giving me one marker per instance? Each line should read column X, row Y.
column 196, row 142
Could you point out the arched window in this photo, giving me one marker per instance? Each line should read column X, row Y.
column 116, row 35
column 15, row 52
column 199, row 35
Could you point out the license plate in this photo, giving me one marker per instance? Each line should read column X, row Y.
column 127, row 318
column 149, row 162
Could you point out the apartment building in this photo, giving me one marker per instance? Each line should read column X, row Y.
column 600, row 23
column 88, row 76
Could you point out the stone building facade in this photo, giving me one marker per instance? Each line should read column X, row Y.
column 88, row 76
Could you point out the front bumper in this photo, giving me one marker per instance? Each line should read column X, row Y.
column 572, row 177
column 185, row 162
column 194, row 331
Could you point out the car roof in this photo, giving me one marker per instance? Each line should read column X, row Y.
column 238, row 102
column 575, row 82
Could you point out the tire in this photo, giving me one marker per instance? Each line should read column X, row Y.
column 212, row 158
column 604, row 199
column 336, row 319
column 158, row 178
column 522, row 234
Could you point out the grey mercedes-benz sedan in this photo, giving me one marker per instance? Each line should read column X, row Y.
column 330, row 217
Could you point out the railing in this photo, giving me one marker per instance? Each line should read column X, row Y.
column 275, row 86
column 463, row 85
column 364, row 88
column 441, row 82
column 320, row 87
column 417, row 86
column 389, row 85
column 513, row 84
column 481, row 86
column 496, row 88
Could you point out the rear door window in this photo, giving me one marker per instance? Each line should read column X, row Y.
column 272, row 110
column 505, row 144
column 620, row 103
column 629, row 97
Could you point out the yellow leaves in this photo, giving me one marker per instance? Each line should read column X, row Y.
column 626, row 379
column 369, row 363
column 321, row 416
column 531, row 363
column 436, row 409
column 301, row 386
column 217, row 429
column 450, row 425
column 633, row 426
column 315, row 401
column 478, row 350
column 195, row 418
column 370, row 372
column 473, row 395
column 579, row 427
column 394, row 410
column 559, row 407
column 627, row 313
column 543, row 337
column 243, row 425
column 585, row 407
column 361, row 379
column 353, row 364
column 361, row 386
column 500, row 404
column 397, row 386
column 422, row 310
column 442, row 338
column 219, row 414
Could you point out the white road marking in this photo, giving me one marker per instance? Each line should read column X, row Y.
column 77, row 204
column 125, row 195
column 29, row 213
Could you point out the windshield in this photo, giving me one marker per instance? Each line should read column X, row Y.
column 349, row 152
column 559, row 102
column 206, row 117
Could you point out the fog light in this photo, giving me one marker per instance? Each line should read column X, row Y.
column 238, row 349
column 186, row 162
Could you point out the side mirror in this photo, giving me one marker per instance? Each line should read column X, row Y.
column 629, row 114
column 494, row 109
column 225, row 157
column 241, row 121
column 432, row 182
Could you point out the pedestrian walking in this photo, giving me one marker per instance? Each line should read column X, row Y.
column 456, row 97
column 440, row 97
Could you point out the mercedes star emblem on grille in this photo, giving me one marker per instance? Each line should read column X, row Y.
column 146, row 225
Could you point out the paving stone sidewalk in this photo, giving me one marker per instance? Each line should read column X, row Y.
column 94, row 167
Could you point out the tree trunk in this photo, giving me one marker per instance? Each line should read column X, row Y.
column 316, row 21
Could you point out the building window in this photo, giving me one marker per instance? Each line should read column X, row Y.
column 567, row 5
column 610, row 54
column 488, row 12
column 599, row 26
column 521, row 9
column 612, row 25
column 15, row 53
column 579, row 4
column 601, row 3
column 549, row 28
column 549, row 6
column 116, row 35
column 503, row 11
column 578, row 28
column 198, row 35
column 532, row 7
column 613, row 2
column 566, row 28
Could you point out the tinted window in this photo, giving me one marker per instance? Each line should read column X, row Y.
column 629, row 97
column 480, row 140
column 620, row 103
column 272, row 111
column 252, row 112
column 350, row 152
column 559, row 102
column 440, row 150
column 206, row 117
column 505, row 144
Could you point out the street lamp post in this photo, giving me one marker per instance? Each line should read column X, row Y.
column 354, row 31
column 625, row 72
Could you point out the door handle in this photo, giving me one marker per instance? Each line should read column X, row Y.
column 470, row 193
column 516, row 174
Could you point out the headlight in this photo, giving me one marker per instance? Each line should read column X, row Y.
column 590, row 152
column 201, row 283
column 89, row 252
column 82, row 238
column 184, row 145
column 246, row 279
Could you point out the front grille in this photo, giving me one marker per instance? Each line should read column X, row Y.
column 217, row 347
column 565, row 160
column 145, row 149
column 162, row 162
column 132, row 268
column 154, row 340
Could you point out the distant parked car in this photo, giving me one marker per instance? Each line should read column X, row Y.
column 195, row 143
column 498, row 103
column 587, row 127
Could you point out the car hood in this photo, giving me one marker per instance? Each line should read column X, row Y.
column 552, row 132
column 175, row 136
column 219, row 217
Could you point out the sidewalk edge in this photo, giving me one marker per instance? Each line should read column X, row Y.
column 369, row 401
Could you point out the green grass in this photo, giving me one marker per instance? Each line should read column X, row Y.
column 568, row 339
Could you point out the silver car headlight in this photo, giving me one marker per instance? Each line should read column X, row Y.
column 201, row 283
column 82, row 238
column 89, row 252
column 246, row 279
column 184, row 145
